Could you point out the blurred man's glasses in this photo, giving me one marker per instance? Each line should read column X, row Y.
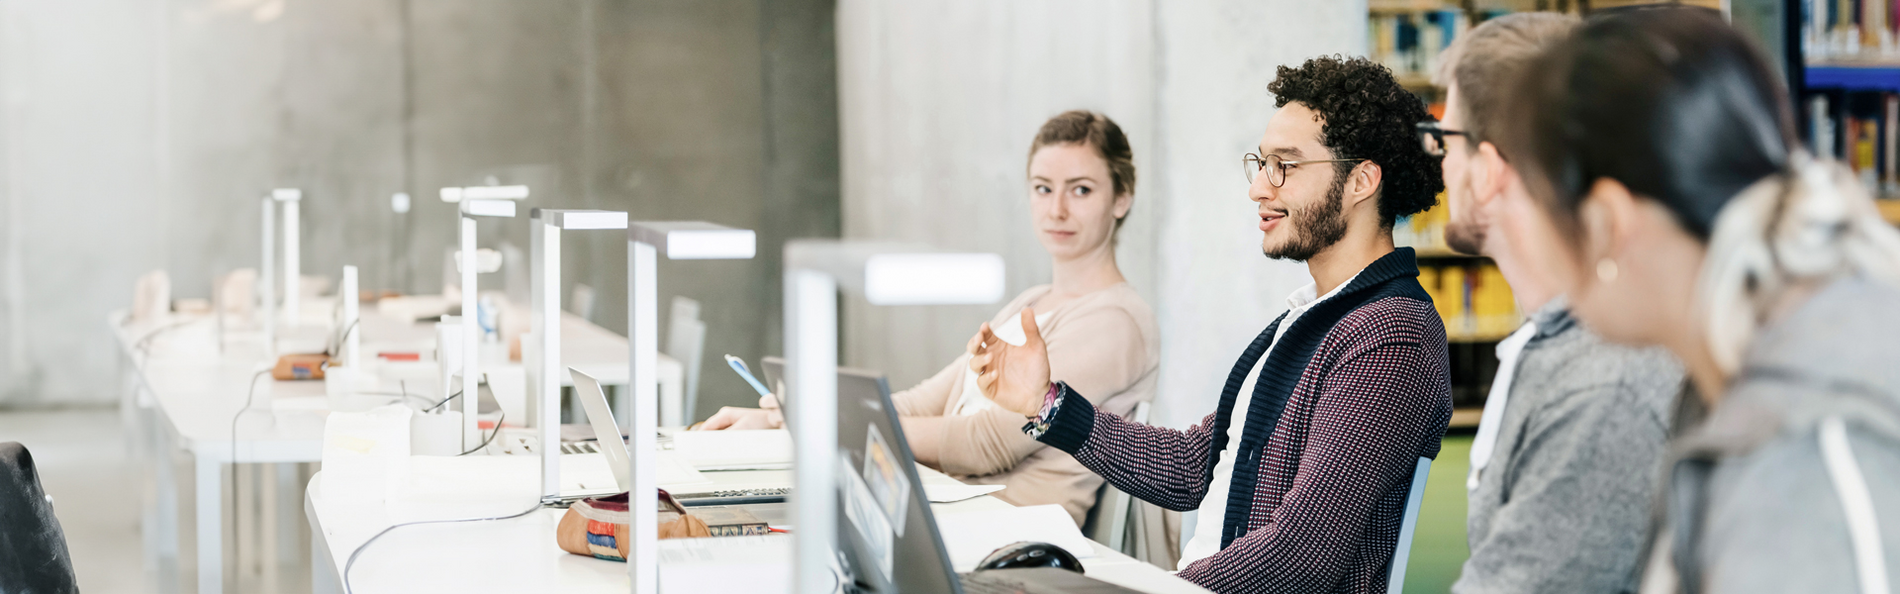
column 1276, row 168
column 1432, row 136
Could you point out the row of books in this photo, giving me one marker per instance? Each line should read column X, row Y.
column 1850, row 30
column 1862, row 130
column 1424, row 231
column 1409, row 42
column 1472, row 298
column 1470, row 293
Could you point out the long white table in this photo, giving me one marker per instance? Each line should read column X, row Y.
column 520, row 555
column 181, row 391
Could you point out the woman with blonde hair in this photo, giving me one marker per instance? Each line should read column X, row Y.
column 1081, row 185
column 1663, row 191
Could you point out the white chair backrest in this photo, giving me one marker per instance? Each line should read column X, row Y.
column 1395, row 583
column 1109, row 520
column 686, row 343
column 580, row 302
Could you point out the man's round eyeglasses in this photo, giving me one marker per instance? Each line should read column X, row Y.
column 1276, row 168
column 1431, row 135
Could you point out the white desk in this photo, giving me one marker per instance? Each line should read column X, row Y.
column 180, row 394
column 520, row 555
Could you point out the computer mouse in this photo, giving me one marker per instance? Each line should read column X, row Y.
column 1030, row 554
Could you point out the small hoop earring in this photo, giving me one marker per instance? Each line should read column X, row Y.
column 1607, row 270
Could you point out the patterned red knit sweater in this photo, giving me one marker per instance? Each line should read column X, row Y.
column 1332, row 477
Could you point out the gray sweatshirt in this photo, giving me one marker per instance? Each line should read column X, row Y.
column 1563, row 505
column 1758, row 496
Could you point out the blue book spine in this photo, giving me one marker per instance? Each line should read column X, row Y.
column 1448, row 23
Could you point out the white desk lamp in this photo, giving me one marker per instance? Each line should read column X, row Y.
column 544, row 366
column 475, row 201
column 885, row 274
column 646, row 241
column 268, row 312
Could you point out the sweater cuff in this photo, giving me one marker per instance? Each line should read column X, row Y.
column 1064, row 423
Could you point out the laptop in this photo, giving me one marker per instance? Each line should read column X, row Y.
column 774, row 368
column 888, row 541
column 607, row 440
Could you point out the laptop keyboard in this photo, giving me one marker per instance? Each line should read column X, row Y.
column 980, row 583
column 736, row 497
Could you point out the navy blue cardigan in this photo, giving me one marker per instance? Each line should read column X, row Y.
column 1357, row 390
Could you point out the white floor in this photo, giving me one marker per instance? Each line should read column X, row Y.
column 83, row 464
column 98, row 495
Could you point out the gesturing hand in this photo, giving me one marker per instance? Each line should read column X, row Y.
column 1014, row 377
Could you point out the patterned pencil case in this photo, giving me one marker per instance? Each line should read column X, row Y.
column 597, row 527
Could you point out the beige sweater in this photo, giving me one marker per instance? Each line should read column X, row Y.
column 1105, row 344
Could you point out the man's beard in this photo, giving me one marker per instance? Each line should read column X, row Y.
column 1315, row 228
column 1464, row 237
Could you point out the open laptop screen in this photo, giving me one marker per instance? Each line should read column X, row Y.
column 775, row 380
column 887, row 536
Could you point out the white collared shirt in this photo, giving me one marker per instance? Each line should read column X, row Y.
column 1509, row 350
column 1213, row 510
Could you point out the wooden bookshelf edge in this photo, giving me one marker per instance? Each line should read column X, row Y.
column 1465, row 418
column 1444, row 254
column 1889, row 209
column 1476, row 337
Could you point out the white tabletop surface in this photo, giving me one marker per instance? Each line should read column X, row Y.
column 520, row 555
column 201, row 385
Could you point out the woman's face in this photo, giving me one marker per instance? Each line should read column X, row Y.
column 1072, row 201
column 1629, row 271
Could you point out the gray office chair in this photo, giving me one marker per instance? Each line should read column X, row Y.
column 33, row 556
column 686, row 343
column 580, row 301
column 1107, row 522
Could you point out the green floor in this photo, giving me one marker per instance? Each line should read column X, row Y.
column 1438, row 548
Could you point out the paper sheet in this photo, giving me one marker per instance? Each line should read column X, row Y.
column 972, row 536
column 945, row 493
column 735, row 450
column 728, row 565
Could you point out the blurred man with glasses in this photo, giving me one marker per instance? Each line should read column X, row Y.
column 1567, row 452
column 1302, row 472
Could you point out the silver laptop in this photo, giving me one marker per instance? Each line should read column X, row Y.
column 606, row 432
column 888, row 542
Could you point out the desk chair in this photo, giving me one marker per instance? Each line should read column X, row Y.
column 1107, row 523
column 1395, row 583
column 33, row 555
column 686, row 343
column 580, row 301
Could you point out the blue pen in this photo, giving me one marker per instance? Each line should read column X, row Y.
column 738, row 365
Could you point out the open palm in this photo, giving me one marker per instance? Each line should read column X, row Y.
column 1014, row 377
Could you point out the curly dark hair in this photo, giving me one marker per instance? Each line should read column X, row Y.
column 1367, row 115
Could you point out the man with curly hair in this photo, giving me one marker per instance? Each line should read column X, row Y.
column 1302, row 472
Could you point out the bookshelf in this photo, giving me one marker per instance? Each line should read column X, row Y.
column 1472, row 297
column 1866, row 76
column 1842, row 59
column 1890, row 210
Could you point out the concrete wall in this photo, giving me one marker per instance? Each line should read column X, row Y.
column 940, row 99
column 138, row 134
column 78, row 176
column 172, row 117
column 1217, row 291
column 940, row 103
